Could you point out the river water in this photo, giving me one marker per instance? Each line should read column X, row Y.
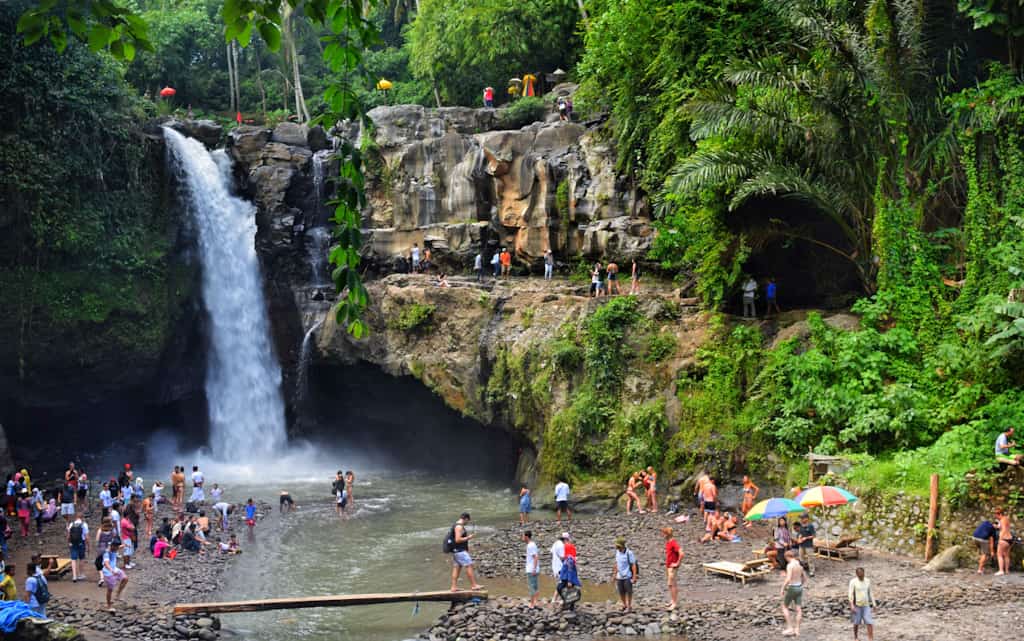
column 391, row 542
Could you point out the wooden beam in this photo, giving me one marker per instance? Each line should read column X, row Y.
column 335, row 601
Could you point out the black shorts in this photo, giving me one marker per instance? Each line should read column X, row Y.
column 709, row 506
column 624, row 587
column 286, row 498
column 82, row 493
column 612, row 275
column 562, row 505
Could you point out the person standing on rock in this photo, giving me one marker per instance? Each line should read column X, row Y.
column 496, row 264
column 489, row 97
column 771, row 300
column 1003, row 445
column 793, row 594
column 506, row 263
column 613, row 278
column 750, row 492
column 197, row 485
column 68, row 495
column 652, row 489
column 634, row 278
column 625, row 573
column 113, row 577
column 549, row 264
column 562, row 500
column 1005, row 542
column 805, row 542
column 478, row 266
column 631, row 496
column 78, row 544
column 673, row 558
column 862, row 600
column 557, row 558
column 525, row 505
column 460, row 553
column 749, row 293
column 414, row 258
column 532, row 567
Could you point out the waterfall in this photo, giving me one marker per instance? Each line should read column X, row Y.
column 321, row 160
column 243, row 377
column 461, row 200
column 318, row 244
column 305, row 356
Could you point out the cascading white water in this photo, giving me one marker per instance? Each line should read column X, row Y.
column 318, row 244
column 243, row 377
column 305, row 357
column 320, row 164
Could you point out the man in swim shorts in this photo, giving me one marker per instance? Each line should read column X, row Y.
column 793, row 594
column 286, row 503
column 460, row 553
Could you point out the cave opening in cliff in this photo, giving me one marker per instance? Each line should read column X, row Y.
column 400, row 421
column 787, row 240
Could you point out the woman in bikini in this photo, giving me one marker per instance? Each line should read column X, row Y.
column 631, row 495
column 750, row 492
column 1005, row 542
column 652, row 490
column 727, row 528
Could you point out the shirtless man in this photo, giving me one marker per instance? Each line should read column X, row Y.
column 710, row 498
column 613, row 278
column 793, row 594
column 698, row 490
column 350, row 482
column 631, row 495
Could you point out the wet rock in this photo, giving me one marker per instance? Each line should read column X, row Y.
column 947, row 561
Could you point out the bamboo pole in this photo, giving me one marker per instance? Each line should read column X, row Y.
column 325, row 601
column 933, row 508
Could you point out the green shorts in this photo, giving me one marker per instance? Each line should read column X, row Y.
column 794, row 596
column 533, row 583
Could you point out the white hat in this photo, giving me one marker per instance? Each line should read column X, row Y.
column 565, row 535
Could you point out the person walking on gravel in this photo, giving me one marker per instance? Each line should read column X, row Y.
column 862, row 600
column 78, row 539
column 460, row 554
column 793, row 594
column 562, row 500
column 1005, row 542
column 532, row 567
column 625, row 573
column 113, row 577
column 673, row 557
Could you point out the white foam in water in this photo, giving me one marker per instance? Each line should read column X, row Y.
column 243, row 377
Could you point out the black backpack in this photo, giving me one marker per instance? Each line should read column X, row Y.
column 42, row 591
column 76, row 534
column 448, row 546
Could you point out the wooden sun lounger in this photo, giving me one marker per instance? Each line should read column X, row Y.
column 55, row 567
column 743, row 572
column 841, row 550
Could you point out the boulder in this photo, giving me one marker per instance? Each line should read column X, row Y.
column 947, row 561
column 246, row 143
column 207, row 132
column 317, row 140
column 291, row 133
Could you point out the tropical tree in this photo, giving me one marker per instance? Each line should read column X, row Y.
column 849, row 116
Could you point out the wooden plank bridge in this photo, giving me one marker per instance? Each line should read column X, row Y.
column 334, row 601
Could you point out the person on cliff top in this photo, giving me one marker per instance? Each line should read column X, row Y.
column 985, row 539
column 532, row 567
column 460, row 553
column 862, row 601
column 634, row 278
column 113, row 576
column 749, row 293
column 427, row 258
column 673, row 558
column 489, row 97
column 506, row 263
column 414, row 258
column 1003, row 445
column 652, row 489
column 793, row 594
column 613, row 278
column 596, row 286
column 478, row 266
column 562, row 500
column 1005, row 542
column 771, row 300
column 625, row 574
column 197, row 485
column 496, row 264
column 525, row 505
column 549, row 264
column 805, row 542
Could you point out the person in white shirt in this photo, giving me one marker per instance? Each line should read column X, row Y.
column 861, row 601
column 197, row 485
column 478, row 266
column 557, row 557
column 562, row 500
column 532, row 567
column 749, row 292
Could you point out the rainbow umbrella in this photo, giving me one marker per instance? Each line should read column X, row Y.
column 773, row 509
column 824, row 496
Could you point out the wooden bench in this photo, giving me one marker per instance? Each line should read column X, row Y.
column 743, row 572
column 841, row 550
column 53, row 566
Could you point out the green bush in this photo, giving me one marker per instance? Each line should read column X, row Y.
column 414, row 317
column 659, row 347
column 637, row 438
column 522, row 112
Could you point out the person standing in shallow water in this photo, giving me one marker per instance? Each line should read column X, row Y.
column 197, row 485
column 460, row 554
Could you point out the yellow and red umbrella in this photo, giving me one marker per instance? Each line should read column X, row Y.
column 825, row 496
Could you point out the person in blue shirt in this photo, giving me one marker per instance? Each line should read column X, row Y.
column 770, row 294
column 525, row 505
column 250, row 515
column 985, row 538
column 1003, row 445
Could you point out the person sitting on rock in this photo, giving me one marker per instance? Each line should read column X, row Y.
column 1003, row 445
column 727, row 527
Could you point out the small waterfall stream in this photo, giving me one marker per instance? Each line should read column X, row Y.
column 243, row 377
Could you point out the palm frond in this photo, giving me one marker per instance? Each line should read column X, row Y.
column 711, row 169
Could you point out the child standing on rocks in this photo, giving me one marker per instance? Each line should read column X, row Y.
column 525, row 505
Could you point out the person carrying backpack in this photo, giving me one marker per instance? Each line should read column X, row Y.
column 626, row 573
column 457, row 544
column 78, row 542
column 37, row 590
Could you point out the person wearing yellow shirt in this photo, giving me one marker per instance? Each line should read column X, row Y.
column 8, row 588
column 861, row 601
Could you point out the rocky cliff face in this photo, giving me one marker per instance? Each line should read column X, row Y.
column 489, row 350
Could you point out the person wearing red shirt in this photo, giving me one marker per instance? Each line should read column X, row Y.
column 570, row 547
column 673, row 557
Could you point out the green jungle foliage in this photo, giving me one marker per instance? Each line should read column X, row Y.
column 414, row 317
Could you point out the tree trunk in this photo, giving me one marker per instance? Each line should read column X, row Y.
column 259, row 80
column 583, row 12
column 231, row 80
column 238, row 83
column 300, row 102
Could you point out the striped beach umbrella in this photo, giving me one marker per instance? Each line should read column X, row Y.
column 824, row 496
column 773, row 509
